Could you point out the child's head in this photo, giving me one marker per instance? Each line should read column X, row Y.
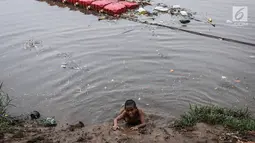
column 130, row 107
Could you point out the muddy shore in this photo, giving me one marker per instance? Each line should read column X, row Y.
column 155, row 131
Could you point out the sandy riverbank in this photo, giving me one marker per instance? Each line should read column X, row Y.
column 155, row 131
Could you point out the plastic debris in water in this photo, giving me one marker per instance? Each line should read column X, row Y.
column 223, row 77
column 30, row 44
column 185, row 21
column 142, row 11
column 210, row 20
column 176, row 6
column 161, row 9
column 229, row 21
column 184, row 13
column 63, row 66
column 70, row 65
column 102, row 18
column 139, row 98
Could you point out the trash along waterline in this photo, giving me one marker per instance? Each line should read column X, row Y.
column 134, row 19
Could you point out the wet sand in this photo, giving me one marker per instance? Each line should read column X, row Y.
column 102, row 133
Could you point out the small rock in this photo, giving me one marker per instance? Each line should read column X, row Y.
column 35, row 115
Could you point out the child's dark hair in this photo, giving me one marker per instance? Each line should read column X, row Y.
column 130, row 103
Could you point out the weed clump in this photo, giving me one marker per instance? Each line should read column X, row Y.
column 5, row 122
column 236, row 119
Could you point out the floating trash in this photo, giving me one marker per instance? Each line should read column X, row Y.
column 223, row 77
column 102, row 18
column 32, row 44
column 229, row 21
column 64, row 55
column 209, row 20
column 183, row 13
column 162, row 5
column 174, row 10
column 73, row 65
column 176, row 6
column 184, row 21
column 63, row 65
column 142, row 11
column 161, row 9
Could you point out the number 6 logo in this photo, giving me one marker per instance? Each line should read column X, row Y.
column 240, row 13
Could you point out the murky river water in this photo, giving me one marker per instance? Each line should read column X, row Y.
column 109, row 62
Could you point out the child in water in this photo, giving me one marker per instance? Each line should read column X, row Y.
column 132, row 115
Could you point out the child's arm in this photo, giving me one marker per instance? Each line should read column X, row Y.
column 115, row 122
column 143, row 124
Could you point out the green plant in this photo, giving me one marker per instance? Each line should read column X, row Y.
column 4, row 103
column 236, row 119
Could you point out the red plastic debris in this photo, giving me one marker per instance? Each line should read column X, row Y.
column 115, row 8
column 85, row 3
column 98, row 5
column 130, row 5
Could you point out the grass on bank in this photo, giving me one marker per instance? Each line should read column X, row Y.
column 4, row 103
column 236, row 119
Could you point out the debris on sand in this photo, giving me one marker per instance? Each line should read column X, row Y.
column 76, row 126
column 158, row 129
